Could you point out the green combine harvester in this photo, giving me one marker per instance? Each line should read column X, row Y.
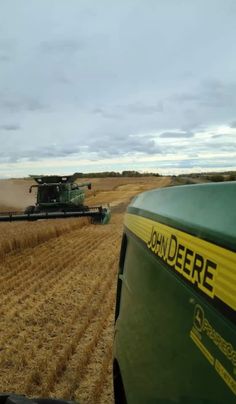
column 59, row 197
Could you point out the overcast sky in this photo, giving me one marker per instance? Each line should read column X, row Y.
column 95, row 85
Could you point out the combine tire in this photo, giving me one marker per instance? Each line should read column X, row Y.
column 29, row 210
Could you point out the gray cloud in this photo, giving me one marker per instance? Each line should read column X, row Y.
column 93, row 81
column 207, row 163
column 220, row 145
column 176, row 135
column 123, row 145
column 210, row 94
column 18, row 103
column 63, row 46
column 4, row 58
column 10, row 127
column 136, row 108
column 108, row 114
column 142, row 108
column 38, row 153
column 7, row 50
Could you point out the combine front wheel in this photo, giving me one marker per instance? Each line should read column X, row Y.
column 29, row 210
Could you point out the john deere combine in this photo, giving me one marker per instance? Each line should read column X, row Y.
column 59, row 197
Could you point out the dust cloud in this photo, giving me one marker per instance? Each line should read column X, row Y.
column 14, row 195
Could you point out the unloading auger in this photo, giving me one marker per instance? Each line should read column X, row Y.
column 59, row 197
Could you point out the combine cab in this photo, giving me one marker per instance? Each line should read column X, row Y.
column 59, row 197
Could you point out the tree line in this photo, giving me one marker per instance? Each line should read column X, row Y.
column 125, row 173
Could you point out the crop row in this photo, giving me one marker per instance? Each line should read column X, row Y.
column 57, row 315
column 18, row 236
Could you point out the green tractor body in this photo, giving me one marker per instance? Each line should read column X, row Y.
column 175, row 330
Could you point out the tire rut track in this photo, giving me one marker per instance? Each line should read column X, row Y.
column 92, row 383
column 45, row 273
column 78, row 363
column 60, row 284
column 56, row 372
column 66, row 290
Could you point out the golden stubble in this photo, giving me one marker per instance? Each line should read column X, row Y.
column 58, row 283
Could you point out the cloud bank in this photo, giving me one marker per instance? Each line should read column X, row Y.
column 116, row 84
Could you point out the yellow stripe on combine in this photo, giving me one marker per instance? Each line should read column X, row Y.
column 210, row 267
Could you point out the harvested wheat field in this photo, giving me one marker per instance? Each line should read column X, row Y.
column 58, row 284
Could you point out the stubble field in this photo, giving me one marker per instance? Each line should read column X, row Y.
column 58, row 284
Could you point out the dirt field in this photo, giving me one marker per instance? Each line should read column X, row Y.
column 58, row 281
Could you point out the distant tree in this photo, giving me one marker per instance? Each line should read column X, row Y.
column 131, row 174
column 231, row 177
column 125, row 173
column 217, row 178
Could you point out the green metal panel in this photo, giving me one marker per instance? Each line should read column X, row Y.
column 77, row 197
column 172, row 344
column 207, row 210
column 48, row 179
column 64, row 195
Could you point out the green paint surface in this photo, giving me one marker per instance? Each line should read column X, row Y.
column 157, row 311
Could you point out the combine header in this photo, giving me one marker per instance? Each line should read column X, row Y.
column 59, row 197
